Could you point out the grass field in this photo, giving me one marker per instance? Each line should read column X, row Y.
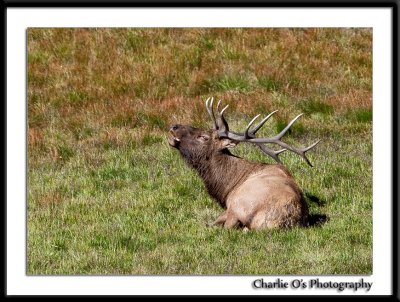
column 107, row 195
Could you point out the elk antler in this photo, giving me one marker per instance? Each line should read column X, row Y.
column 249, row 136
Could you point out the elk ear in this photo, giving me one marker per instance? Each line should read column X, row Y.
column 227, row 143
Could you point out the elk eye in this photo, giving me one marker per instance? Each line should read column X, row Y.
column 204, row 137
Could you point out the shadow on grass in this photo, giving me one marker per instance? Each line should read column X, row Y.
column 316, row 219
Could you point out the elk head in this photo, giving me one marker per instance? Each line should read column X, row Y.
column 194, row 143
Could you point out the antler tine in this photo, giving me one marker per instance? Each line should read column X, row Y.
column 222, row 111
column 277, row 137
column 211, row 111
column 256, row 128
column 246, row 133
column 312, row 146
column 282, row 133
column 219, row 103
column 272, row 153
column 222, row 125
column 299, row 151
column 210, row 107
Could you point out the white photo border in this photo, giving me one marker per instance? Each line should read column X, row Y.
column 19, row 19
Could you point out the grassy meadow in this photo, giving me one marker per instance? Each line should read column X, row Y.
column 108, row 196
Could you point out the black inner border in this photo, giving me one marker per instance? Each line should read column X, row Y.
column 394, row 4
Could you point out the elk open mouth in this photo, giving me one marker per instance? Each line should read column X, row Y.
column 173, row 140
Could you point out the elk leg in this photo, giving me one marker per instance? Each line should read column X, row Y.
column 220, row 220
column 231, row 222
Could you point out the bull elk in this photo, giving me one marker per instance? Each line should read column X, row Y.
column 253, row 195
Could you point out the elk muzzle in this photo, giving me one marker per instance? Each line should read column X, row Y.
column 173, row 140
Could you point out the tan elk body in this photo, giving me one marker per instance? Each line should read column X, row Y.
column 254, row 195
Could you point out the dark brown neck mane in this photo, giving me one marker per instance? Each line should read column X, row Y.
column 222, row 172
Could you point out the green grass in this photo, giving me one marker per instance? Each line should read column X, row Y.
column 227, row 83
column 310, row 106
column 108, row 196
column 359, row 115
column 269, row 83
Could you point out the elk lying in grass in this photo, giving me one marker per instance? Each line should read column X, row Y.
column 254, row 195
